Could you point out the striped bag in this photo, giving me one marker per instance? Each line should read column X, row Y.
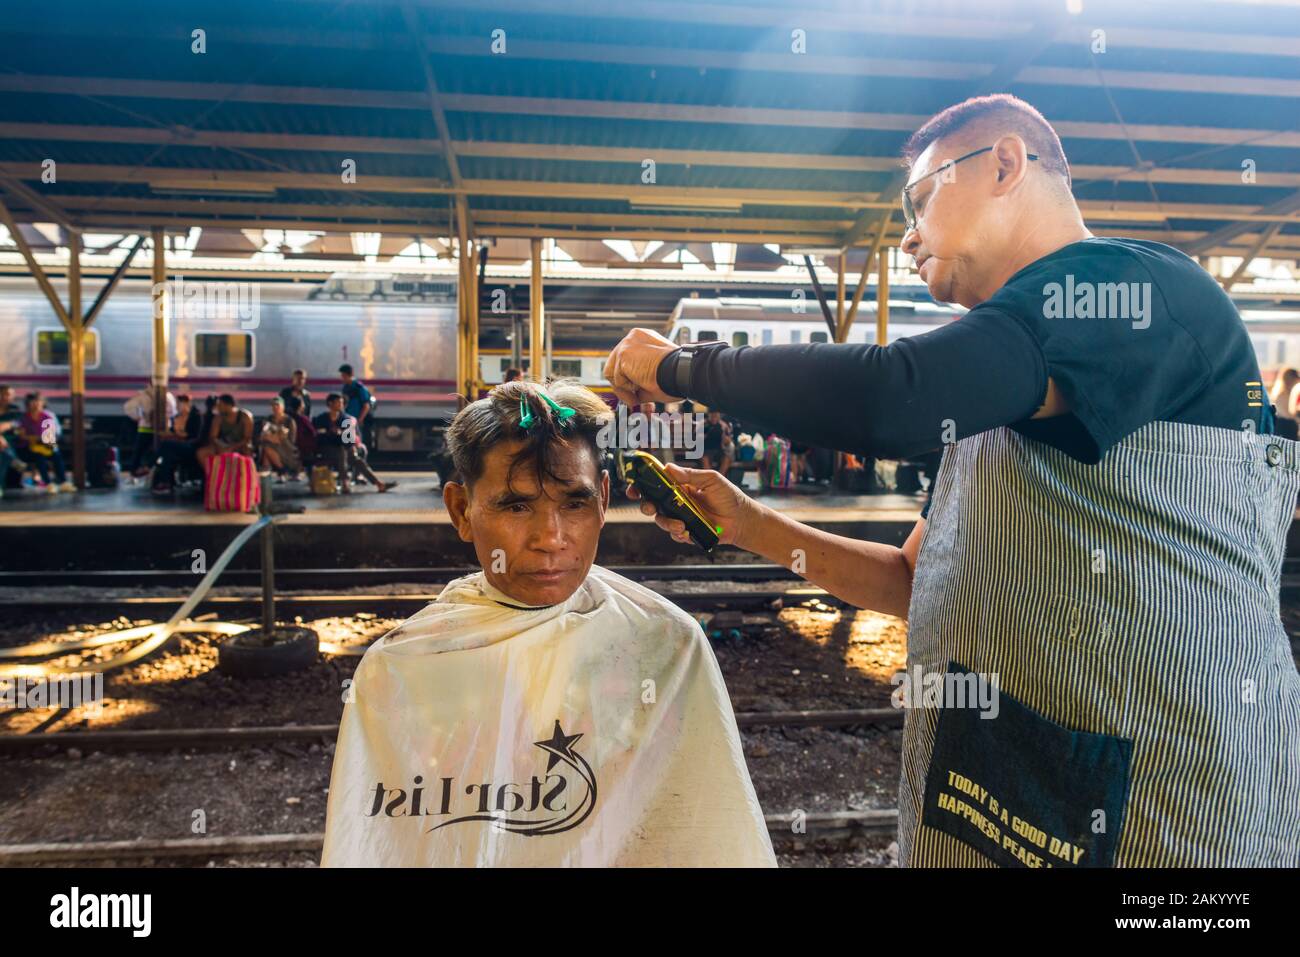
column 231, row 484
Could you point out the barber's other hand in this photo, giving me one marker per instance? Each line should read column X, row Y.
column 634, row 364
column 722, row 503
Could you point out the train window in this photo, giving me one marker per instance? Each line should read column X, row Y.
column 819, row 337
column 683, row 335
column 566, row 368
column 223, row 350
column 707, row 336
column 796, row 335
column 767, row 337
column 740, row 338
column 52, row 348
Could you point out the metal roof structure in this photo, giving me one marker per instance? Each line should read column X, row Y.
column 745, row 121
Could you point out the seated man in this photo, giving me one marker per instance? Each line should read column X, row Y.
column 179, row 444
column 231, row 431
column 543, row 711
column 337, row 438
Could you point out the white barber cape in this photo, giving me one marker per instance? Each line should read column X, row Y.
column 596, row 732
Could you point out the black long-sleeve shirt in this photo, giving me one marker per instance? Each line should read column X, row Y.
column 1130, row 331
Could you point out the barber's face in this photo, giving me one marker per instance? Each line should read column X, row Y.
column 955, row 235
column 536, row 544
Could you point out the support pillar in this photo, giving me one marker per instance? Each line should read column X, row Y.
column 76, row 361
column 882, row 299
column 536, row 317
column 159, row 297
column 839, row 295
column 463, row 293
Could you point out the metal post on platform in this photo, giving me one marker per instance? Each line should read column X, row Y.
column 159, row 297
column 882, row 300
column 516, row 341
column 536, row 316
column 76, row 361
column 268, row 562
column 839, row 292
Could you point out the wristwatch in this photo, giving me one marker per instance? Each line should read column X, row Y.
column 685, row 356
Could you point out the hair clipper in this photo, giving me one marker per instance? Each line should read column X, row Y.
column 647, row 474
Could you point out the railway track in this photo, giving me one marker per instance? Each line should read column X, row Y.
column 335, row 578
column 793, row 832
column 825, row 828
column 797, row 827
column 219, row 738
column 375, row 604
column 361, row 577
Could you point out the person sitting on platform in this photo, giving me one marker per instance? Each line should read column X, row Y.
column 719, row 449
column 279, row 438
column 140, row 407
column 179, row 443
column 336, row 441
column 9, row 416
column 296, row 396
column 543, row 711
column 38, row 444
column 231, row 431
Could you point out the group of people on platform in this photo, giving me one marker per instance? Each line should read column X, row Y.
column 288, row 440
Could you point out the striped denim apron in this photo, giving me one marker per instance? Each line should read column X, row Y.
column 1149, row 704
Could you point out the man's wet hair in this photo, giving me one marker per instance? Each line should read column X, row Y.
column 999, row 114
column 227, row 398
column 494, row 419
column 332, row 396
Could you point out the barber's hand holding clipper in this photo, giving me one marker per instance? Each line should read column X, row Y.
column 865, row 574
column 728, row 509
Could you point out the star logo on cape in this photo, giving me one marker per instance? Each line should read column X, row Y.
column 559, row 747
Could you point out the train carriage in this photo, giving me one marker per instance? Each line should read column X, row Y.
column 246, row 341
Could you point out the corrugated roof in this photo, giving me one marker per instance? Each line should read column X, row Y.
column 1184, row 93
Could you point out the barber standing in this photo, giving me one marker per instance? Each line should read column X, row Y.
column 1102, row 544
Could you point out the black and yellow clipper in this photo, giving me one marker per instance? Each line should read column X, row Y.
column 646, row 472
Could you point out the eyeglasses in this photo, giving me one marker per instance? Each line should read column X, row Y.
column 909, row 211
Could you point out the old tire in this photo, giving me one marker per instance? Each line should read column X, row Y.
column 246, row 656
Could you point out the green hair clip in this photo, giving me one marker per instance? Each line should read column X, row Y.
column 563, row 412
column 527, row 420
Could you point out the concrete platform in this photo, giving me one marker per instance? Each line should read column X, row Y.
column 129, row 529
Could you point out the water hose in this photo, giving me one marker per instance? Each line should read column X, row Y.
column 151, row 638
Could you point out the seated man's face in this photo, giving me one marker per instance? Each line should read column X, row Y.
column 535, row 544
